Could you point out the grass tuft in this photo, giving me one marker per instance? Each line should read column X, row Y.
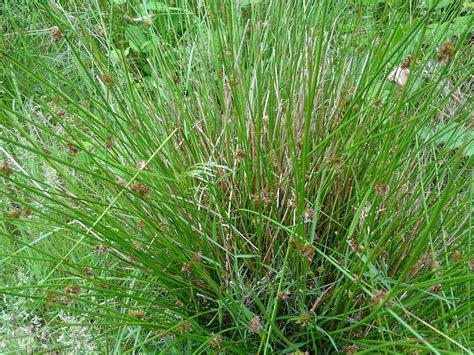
column 236, row 177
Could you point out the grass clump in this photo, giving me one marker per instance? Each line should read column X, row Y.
column 241, row 176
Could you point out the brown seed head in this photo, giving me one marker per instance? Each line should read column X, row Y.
column 304, row 319
column 234, row 80
column 140, row 224
column 56, row 34
column 140, row 189
column 308, row 251
column 365, row 213
column 226, row 276
column 350, row 349
column 141, row 164
column 284, row 295
column 109, row 143
column 197, row 257
column 120, row 181
column 139, row 314
column 437, row 289
column 227, row 89
column 255, row 325
column 72, row 149
column 73, row 290
column 240, row 154
column 61, row 113
column 338, row 162
column 292, row 201
column 379, row 297
column 138, row 245
column 406, row 62
column 101, row 249
column 51, row 297
column 107, row 80
column 88, row 271
column 256, row 198
column 308, row 215
column 445, row 53
column 266, row 196
column 14, row 213
column 299, row 143
column 5, row 169
column 381, row 189
column 215, row 342
column 186, row 268
column 184, row 327
column 456, row 256
column 356, row 278
column 353, row 244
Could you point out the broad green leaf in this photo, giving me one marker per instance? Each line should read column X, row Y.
column 159, row 6
column 437, row 4
column 450, row 29
column 115, row 54
column 453, row 135
column 136, row 37
column 245, row 3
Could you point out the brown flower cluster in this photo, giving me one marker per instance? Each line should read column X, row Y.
column 14, row 213
column 381, row 189
column 5, row 169
column 186, row 268
column 184, row 327
column 350, row 349
column 304, row 319
column 197, row 257
column 284, row 295
column 405, row 63
column 109, row 143
column 56, row 34
column 445, row 53
column 308, row 215
column 264, row 197
column 138, row 314
column 107, row 80
column 101, row 249
column 379, row 298
column 240, row 154
column 308, row 251
column 140, row 189
column 255, row 325
column 73, row 290
column 141, row 164
column 72, row 149
column 215, row 341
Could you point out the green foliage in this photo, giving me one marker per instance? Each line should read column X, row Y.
column 238, row 177
column 453, row 135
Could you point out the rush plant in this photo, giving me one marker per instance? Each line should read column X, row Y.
column 236, row 176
